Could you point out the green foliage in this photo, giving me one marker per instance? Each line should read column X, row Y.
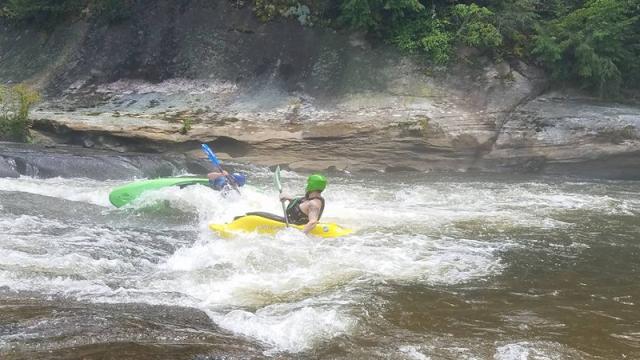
column 373, row 14
column 426, row 35
column 113, row 11
column 187, row 124
column 475, row 26
column 41, row 12
column 436, row 36
column 301, row 12
column 45, row 13
column 267, row 10
column 515, row 20
column 15, row 103
column 596, row 45
column 552, row 9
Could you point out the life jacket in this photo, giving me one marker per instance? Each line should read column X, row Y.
column 222, row 185
column 218, row 183
column 295, row 215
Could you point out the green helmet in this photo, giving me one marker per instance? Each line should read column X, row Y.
column 316, row 182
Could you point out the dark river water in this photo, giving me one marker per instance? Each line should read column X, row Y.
column 440, row 267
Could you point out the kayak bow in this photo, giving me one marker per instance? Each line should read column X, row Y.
column 124, row 194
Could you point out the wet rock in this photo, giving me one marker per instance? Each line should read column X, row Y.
column 568, row 133
column 69, row 161
column 59, row 328
column 8, row 167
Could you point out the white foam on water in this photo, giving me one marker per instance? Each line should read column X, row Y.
column 513, row 352
column 78, row 189
column 63, row 264
column 279, row 273
column 52, row 257
column 536, row 350
column 523, row 204
column 290, row 291
column 276, row 273
column 211, row 205
column 413, row 352
column 58, row 285
column 27, row 224
column 287, row 327
column 262, row 272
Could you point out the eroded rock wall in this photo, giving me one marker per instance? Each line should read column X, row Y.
column 182, row 72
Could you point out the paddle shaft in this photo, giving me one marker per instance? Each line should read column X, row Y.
column 284, row 211
column 214, row 160
column 279, row 186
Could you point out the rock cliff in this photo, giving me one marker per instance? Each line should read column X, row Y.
column 182, row 72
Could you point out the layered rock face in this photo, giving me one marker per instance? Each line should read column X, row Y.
column 182, row 72
column 558, row 133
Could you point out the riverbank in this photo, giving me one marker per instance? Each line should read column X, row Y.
column 554, row 133
column 309, row 98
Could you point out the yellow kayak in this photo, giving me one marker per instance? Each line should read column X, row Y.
column 265, row 223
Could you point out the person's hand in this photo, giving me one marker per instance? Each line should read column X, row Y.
column 225, row 173
column 284, row 197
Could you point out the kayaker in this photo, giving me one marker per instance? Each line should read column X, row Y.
column 220, row 182
column 307, row 210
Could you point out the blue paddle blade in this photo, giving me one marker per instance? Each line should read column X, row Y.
column 214, row 159
column 212, row 156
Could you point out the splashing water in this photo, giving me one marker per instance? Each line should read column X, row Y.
column 425, row 253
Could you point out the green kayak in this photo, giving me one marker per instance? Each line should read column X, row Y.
column 124, row 194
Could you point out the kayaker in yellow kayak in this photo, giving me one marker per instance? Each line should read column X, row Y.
column 303, row 213
column 307, row 210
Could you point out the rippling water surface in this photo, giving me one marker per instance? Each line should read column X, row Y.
column 440, row 267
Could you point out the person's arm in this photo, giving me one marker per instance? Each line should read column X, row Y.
column 214, row 175
column 314, row 217
column 285, row 197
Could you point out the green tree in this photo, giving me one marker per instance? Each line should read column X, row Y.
column 551, row 9
column 597, row 45
column 424, row 34
column 515, row 20
column 436, row 35
column 474, row 26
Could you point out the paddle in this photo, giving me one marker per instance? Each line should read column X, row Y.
column 214, row 160
column 276, row 178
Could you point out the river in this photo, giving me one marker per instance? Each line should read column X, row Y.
column 456, row 266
